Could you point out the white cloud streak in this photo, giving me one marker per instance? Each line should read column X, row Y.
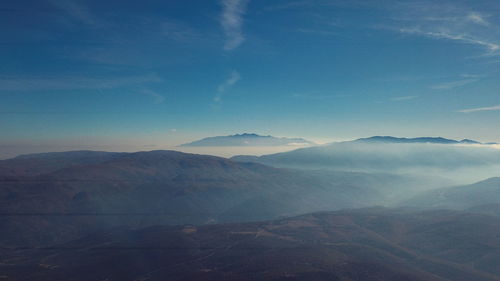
column 318, row 96
column 176, row 31
column 231, row 21
column 157, row 98
column 404, row 98
column 478, row 109
column 76, row 11
column 446, row 20
column 228, row 83
column 453, row 84
column 477, row 18
column 54, row 83
column 464, row 38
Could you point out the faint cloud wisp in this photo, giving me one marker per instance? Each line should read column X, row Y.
column 478, row 109
column 443, row 34
column 76, row 11
column 231, row 21
column 157, row 98
column 54, row 83
column 445, row 20
column 453, row 84
column 229, row 82
column 477, row 18
column 404, row 98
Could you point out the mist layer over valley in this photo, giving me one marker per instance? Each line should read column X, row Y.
column 247, row 140
column 458, row 162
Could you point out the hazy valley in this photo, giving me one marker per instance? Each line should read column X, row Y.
column 192, row 216
column 249, row 140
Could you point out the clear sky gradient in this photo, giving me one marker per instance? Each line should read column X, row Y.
column 151, row 74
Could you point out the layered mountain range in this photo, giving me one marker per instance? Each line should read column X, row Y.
column 59, row 196
column 437, row 140
column 300, row 215
column 437, row 156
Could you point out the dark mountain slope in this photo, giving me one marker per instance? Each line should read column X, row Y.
column 356, row 245
column 168, row 187
column 487, row 209
column 40, row 163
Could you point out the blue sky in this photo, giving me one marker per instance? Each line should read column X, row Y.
column 152, row 73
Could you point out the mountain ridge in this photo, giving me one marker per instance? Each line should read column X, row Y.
column 440, row 140
column 249, row 139
column 358, row 245
column 390, row 154
column 171, row 187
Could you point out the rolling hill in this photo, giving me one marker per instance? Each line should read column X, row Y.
column 40, row 163
column 169, row 187
column 352, row 245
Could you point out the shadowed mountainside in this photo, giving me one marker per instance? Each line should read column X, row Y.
column 354, row 245
column 168, row 187
column 40, row 163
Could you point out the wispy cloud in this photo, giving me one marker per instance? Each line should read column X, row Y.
column 228, row 83
column 441, row 20
column 51, row 83
column 125, row 40
column 449, row 35
column 403, row 98
column 178, row 31
column 288, row 5
column 318, row 96
column 317, row 31
column 477, row 18
column 453, row 84
column 232, row 22
column 137, row 45
column 76, row 11
column 477, row 109
column 157, row 98
column 446, row 20
column 301, row 4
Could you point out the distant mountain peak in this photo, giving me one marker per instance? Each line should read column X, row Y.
column 439, row 140
column 250, row 135
column 249, row 139
column 469, row 141
column 64, row 154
